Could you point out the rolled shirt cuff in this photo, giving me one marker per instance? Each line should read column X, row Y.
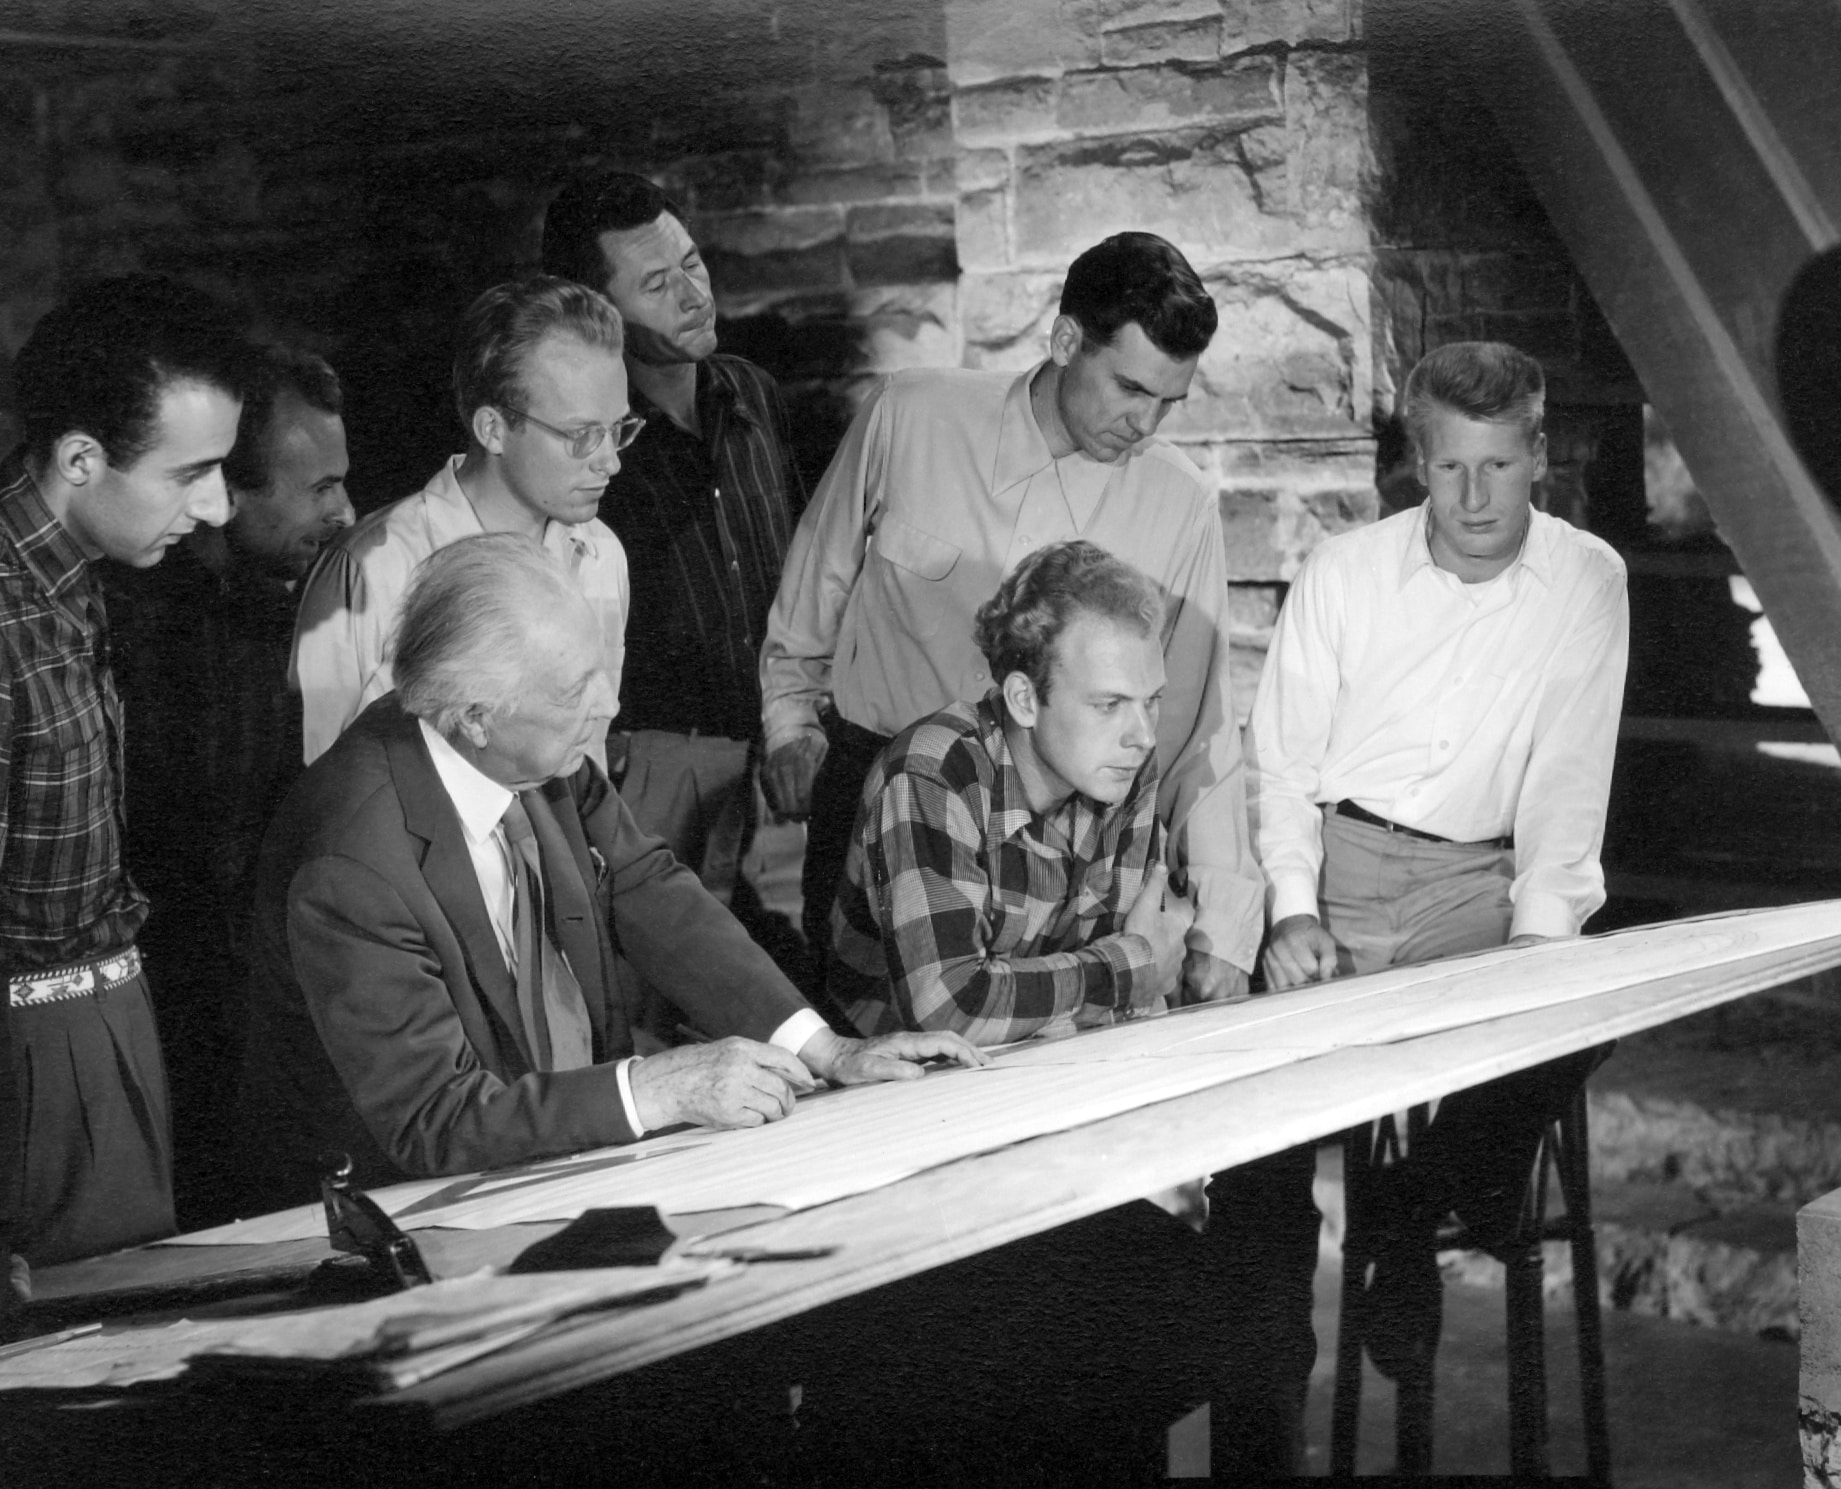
column 623, row 1076
column 792, row 1035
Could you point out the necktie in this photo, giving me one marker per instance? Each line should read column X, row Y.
column 549, row 997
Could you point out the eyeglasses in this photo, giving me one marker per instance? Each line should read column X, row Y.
column 581, row 443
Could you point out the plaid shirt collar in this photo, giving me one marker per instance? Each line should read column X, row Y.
column 44, row 544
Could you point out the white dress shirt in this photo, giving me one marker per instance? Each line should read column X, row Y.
column 349, row 606
column 1471, row 711
column 479, row 802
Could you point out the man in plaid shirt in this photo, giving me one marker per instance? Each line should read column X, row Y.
column 1006, row 877
column 128, row 402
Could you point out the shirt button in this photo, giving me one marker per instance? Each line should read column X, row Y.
column 1444, row 744
column 1023, row 540
column 1456, row 681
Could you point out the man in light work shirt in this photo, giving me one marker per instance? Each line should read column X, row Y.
column 945, row 481
column 541, row 388
column 1431, row 749
column 704, row 503
column 1006, row 880
column 128, row 398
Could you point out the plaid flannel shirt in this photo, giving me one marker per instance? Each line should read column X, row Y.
column 64, row 894
column 962, row 909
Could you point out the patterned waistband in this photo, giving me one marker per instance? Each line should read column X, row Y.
column 83, row 980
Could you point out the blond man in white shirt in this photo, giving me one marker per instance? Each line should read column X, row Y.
column 1430, row 749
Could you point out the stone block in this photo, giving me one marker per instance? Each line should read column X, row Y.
column 1005, row 318
column 902, row 243
column 1256, row 23
column 775, row 231
column 859, row 183
column 1193, row 187
column 777, row 271
column 1249, row 524
column 1124, row 13
column 732, row 181
column 903, row 259
column 1148, row 98
column 914, row 325
column 1252, row 609
column 980, row 170
column 1017, row 108
column 1326, row 112
column 917, row 95
column 1516, row 282
column 1196, row 40
column 984, row 230
column 835, row 125
column 987, row 39
column 1290, row 360
column 893, row 219
column 1818, row 1256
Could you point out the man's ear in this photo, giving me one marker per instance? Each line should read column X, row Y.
column 77, row 459
column 1064, row 339
column 473, row 726
column 1019, row 695
column 1540, row 455
column 489, row 428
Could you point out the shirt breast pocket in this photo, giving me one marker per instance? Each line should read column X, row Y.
column 915, row 564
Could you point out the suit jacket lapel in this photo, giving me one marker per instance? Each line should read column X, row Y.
column 447, row 866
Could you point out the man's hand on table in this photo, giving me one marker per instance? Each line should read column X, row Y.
column 1209, row 979
column 1162, row 917
column 1298, row 951
column 886, row 1057
column 729, row 1083
column 787, row 775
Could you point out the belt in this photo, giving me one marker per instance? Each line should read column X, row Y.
column 1360, row 814
column 79, row 980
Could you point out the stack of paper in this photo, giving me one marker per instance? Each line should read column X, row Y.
column 377, row 1345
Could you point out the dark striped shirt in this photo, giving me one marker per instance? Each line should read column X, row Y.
column 705, row 521
column 64, row 893
column 962, row 909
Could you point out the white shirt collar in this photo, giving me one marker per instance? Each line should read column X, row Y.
column 478, row 799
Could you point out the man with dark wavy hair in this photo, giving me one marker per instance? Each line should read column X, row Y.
column 129, row 396
column 704, row 502
column 947, row 479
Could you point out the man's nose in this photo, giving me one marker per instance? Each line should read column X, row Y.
column 606, row 459
column 1140, row 728
column 339, row 514
column 603, row 697
column 1144, row 418
column 1473, row 495
column 210, row 503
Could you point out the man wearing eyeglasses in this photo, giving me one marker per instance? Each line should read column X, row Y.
column 705, row 505
column 541, row 387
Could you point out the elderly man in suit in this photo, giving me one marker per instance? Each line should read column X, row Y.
column 433, row 988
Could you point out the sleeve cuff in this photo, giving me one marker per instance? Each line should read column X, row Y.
column 1294, row 896
column 1128, row 954
column 1230, row 915
column 623, row 1075
column 1543, row 915
column 792, row 1035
